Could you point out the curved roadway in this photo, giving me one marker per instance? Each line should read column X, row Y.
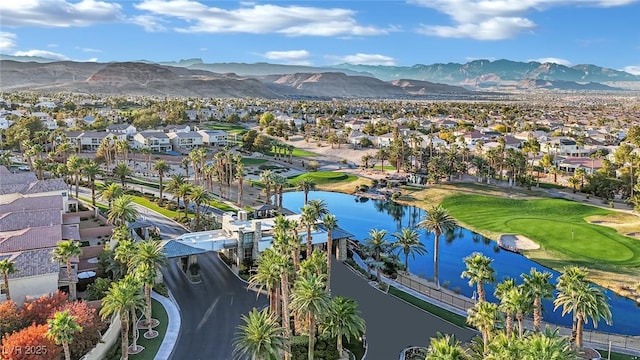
column 392, row 324
column 211, row 310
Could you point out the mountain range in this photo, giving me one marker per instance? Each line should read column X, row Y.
column 193, row 77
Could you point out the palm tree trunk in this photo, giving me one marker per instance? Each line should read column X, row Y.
column 520, row 330
column 147, row 295
column 93, row 192
column 77, row 183
column 579, row 327
column 536, row 314
column 240, row 192
column 329, row 255
column 436, row 244
column 309, row 245
column 160, row 188
column 509, row 324
column 406, row 260
column 67, row 352
column 311, row 335
column 480, row 291
column 125, row 337
column 134, row 325
column 72, row 285
column 286, row 320
column 485, row 342
column 339, row 344
column 6, row 286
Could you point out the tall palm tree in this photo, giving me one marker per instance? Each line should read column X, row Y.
column 110, row 192
column 305, row 185
column 309, row 218
column 378, row 244
column 149, row 260
column 240, row 176
column 7, row 267
column 75, row 167
column 122, row 298
column 343, row 321
column 147, row 152
column 538, row 287
column 446, row 347
column 330, row 222
column 260, row 337
column 267, row 276
column 122, row 171
column 161, row 167
column 437, row 221
column 547, row 345
column 479, row 271
column 484, row 316
column 503, row 293
column 184, row 191
column 199, row 196
column 309, row 299
column 408, row 241
column 63, row 253
column 39, row 165
column 583, row 300
column 266, row 177
column 61, row 330
column 174, row 185
column 91, row 169
column 123, row 211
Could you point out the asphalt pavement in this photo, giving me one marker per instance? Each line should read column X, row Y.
column 211, row 310
column 392, row 324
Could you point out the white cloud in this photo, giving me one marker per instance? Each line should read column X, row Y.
column 42, row 53
column 149, row 23
column 7, row 41
column 495, row 19
column 50, row 55
column 52, row 45
column 553, row 60
column 366, row 59
column 632, row 69
column 261, row 18
column 59, row 13
column 292, row 57
column 498, row 28
column 91, row 50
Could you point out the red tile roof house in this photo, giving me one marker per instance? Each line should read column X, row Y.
column 31, row 225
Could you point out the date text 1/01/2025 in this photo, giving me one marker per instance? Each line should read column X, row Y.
column 23, row 350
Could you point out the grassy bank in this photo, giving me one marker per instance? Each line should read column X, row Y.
column 151, row 346
column 324, row 177
column 437, row 311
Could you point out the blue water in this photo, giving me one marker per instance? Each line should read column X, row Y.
column 358, row 217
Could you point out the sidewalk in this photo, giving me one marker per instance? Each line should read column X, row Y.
column 597, row 340
column 173, row 328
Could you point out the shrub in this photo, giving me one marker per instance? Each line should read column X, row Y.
column 97, row 289
column 38, row 311
column 92, row 327
column 10, row 319
column 32, row 338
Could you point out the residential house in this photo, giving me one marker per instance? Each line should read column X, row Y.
column 91, row 140
column 213, row 137
column 185, row 140
column 124, row 128
column 5, row 123
column 383, row 140
column 157, row 141
column 177, row 129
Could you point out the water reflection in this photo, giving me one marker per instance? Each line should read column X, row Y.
column 359, row 216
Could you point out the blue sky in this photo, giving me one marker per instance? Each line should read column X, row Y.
column 600, row 32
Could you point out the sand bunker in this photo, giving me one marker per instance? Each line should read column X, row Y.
column 517, row 242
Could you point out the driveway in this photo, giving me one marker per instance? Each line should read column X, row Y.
column 211, row 310
column 392, row 324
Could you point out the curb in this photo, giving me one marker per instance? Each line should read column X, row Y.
column 173, row 328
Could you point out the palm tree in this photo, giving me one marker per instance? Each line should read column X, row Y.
column 503, row 293
column 7, row 267
column 110, row 192
column 310, row 215
column 147, row 151
column 305, row 185
column 184, row 191
column 123, row 211
column 240, row 177
column 39, row 165
column 90, row 170
column 125, row 251
column 266, row 177
column 484, row 316
column 547, row 345
column 122, row 298
column 63, row 253
column 199, row 196
column 408, row 241
column 149, row 259
column 583, row 300
column 122, row 171
column 161, row 167
column 267, row 276
column 538, row 287
column 343, row 321
column 309, row 299
column 75, row 167
column 61, row 330
column 174, row 185
column 437, row 221
column 330, row 222
column 377, row 243
column 479, row 271
column 260, row 337
column 446, row 347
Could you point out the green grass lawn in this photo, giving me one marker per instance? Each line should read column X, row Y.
column 386, row 167
column 151, row 346
column 616, row 356
column 222, row 206
column 228, row 127
column 252, row 161
column 557, row 225
column 437, row 311
column 323, row 177
column 296, row 153
column 153, row 206
column 98, row 205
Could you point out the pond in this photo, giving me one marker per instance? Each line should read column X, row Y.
column 358, row 216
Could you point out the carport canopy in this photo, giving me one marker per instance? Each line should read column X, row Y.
column 174, row 249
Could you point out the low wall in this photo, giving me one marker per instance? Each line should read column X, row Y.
column 93, row 233
column 108, row 339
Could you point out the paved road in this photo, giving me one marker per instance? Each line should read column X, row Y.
column 210, row 310
column 392, row 324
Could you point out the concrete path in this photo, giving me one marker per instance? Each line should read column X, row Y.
column 173, row 328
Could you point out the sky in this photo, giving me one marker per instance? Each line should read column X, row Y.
column 323, row 33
